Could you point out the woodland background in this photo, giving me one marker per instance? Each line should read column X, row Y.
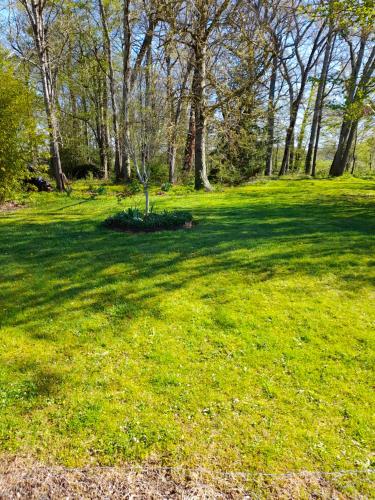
column 201, row 91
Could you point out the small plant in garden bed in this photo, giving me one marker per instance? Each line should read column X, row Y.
column 166, row 186
column 135, row 220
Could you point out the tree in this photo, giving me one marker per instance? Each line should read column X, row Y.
column 360, row 82
column 112, row 90
column 304, row 41
column 42, row 15
column 271, row 116
column 126, row 74
column 176, row 93
column 310, row 162
column 205, row 18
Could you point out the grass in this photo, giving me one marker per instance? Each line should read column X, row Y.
column 244, row 344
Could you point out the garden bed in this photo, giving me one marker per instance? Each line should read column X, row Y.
column 134, row 221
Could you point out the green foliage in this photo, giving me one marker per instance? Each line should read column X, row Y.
column 132, row 188
column 75, row 165
column 365, row 153
column 158, row 169
column 166, row 186
column 134, row 219
column 183, row 189
column 101, row 190
column 18, row 135
column 69, row 190
column 241, row 150
column 349, row 13
column 96, row 191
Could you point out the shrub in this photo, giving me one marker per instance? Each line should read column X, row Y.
column 132, row 188
column 158, row 169
column 166, row 186
column 75, row 164
column 18, row 132
column 134, row 219
column 94, row 192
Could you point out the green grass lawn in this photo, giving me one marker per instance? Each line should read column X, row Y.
column 246, row 343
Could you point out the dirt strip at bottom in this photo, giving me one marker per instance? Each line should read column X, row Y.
column 21, row 478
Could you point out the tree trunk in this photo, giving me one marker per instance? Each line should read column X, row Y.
column 102, row 137
column 190, row 142
column 349, row 144
column 289, row 138
column 341, row 158
column 101, row 146
column 105, row 131
column 271, row 117
column 199, row 81
column 172, row 163
column 316, row 145
column 76, row 129
column 147, row 199
column 112, row 91
column 292, row 150
column 126, row 93
column 147, row 130
column 55, row 151
column 35, row 14
column 86, row 130
column 354, row 151
column 172, row 126
column 301, row 136
column 318, row 109
column 276, row 161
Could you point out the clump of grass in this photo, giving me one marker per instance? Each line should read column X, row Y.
column 134, row 219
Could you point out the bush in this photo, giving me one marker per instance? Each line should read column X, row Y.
column 158, row 169
column 74, row 156
column 82, row 171
column 166, row 186
column 132, row 188
column 133, row 219
column 96, row 191
column 18, row 132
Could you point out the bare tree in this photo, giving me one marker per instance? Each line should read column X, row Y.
column 359, row 85
column 112, row 88
column 126, row 73
column 205, row 17
column 310, row 163
column 41, row 15
column 130, row 72
column 176, row 93
column 305, row 41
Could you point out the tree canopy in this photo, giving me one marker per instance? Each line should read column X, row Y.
column 215, row 91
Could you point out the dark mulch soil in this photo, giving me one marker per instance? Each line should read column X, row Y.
column 121, row 229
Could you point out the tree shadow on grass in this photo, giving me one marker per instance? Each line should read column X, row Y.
column 45, row 266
